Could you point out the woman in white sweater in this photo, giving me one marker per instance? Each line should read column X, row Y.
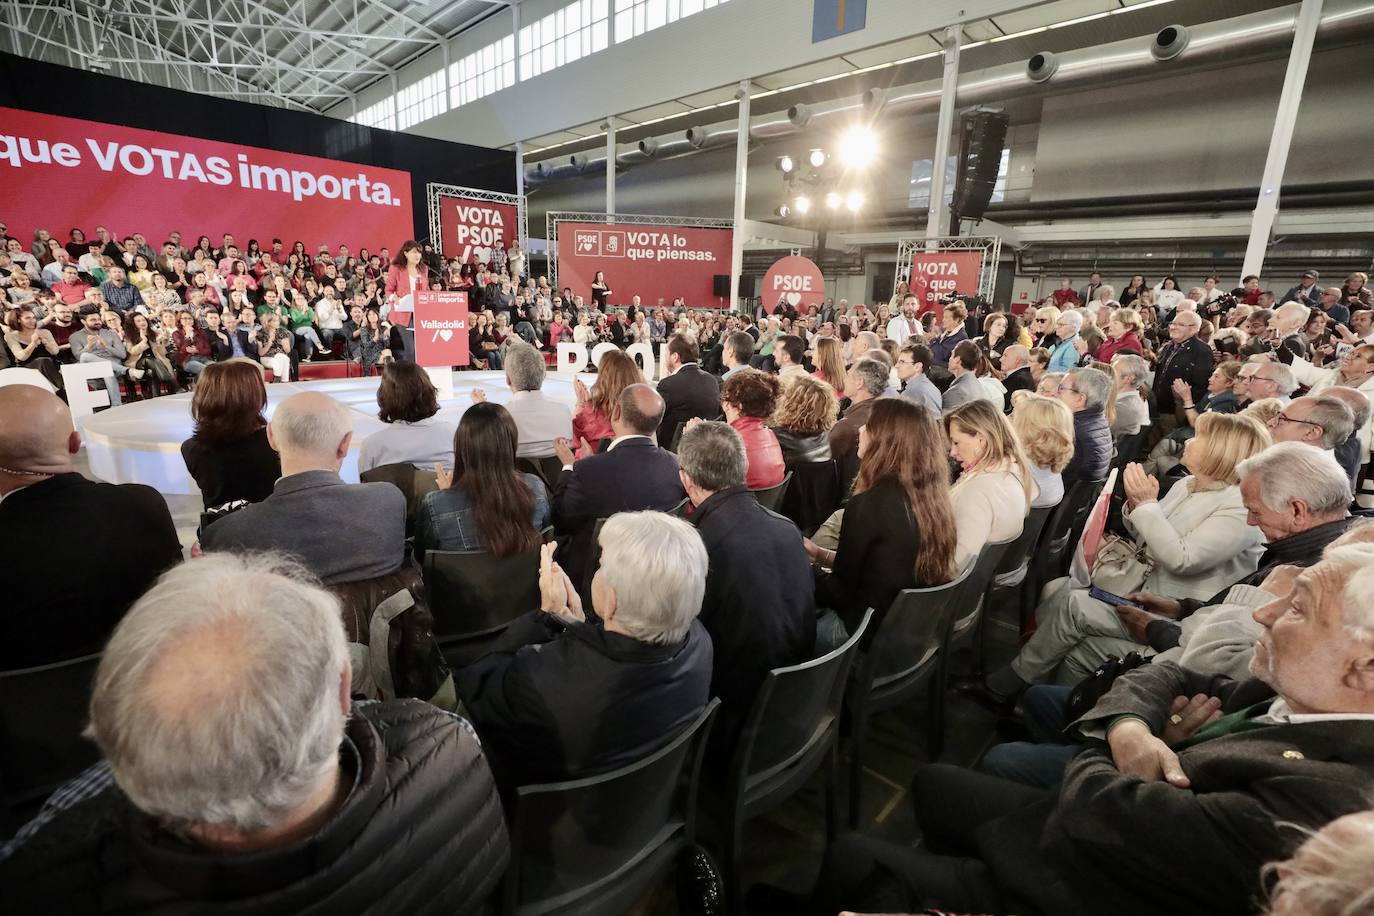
column 993, row 494
column 1355, row 370
column 1196, row 542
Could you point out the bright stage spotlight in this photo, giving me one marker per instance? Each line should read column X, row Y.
column 857, row 148
column 802, row 204
column 786, row 164
column 833, row 200
column 783, row 210
column 816, row 157
column 854, row 201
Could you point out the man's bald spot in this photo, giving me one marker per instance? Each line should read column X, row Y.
column 641, row 407
column 310, row 421
column 37, row 430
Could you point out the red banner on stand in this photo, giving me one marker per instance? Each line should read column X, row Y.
column 795, row 280
column 70, row 172
column 441, row 328
column 468, row 226
column 944, row 273
column 652, row 262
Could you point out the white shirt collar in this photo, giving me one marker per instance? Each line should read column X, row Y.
column 619, row 439
column 1279, row 711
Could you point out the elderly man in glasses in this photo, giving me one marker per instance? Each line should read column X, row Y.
column 1184, row 357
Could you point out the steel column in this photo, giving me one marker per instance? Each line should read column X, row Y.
column 949, row 85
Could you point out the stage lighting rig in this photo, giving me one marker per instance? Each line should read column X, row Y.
column 822, row 175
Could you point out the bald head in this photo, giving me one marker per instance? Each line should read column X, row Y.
column 639, row 409
column 312, row 431
column 38, row 437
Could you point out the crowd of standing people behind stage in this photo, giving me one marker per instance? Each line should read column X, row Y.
column 1241, row 431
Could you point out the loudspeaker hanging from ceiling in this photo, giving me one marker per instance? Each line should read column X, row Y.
column 982, row 136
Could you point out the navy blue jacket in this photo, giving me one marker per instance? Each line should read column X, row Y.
column 1092, row 447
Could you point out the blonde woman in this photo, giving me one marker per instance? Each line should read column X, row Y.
column 802, row 420
column 995, row 490
column 1045, row 428
column 1195, row 541
column 1043, row 326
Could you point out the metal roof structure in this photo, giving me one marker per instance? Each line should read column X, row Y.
column 305, row 55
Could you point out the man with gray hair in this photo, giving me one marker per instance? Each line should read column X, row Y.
column 238, row 775
column 539, row 420
column 1319, row 420
column 865, row 381
column 1354, row 451
column 1085, row 392
column 560, row 697
column 1262, row 378
column 760, row 595
column 340, row 532
column 1298, row 497
column 1185, row 357
column 1016, row 372
column 1286, row 331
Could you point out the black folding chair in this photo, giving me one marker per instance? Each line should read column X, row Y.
column 771, row 497
column 1010, row 571
column 475, row 596
column 792, row 731
column 903, row 657
column 595, row 845
column 43, row 711
column 1060, row 537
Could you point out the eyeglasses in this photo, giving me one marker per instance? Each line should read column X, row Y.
column 1062, row 388
column 1286, row 419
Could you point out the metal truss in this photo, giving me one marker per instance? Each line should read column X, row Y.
column 553, row 218
column 989, row 245
column 302, row 54
column 434, row 191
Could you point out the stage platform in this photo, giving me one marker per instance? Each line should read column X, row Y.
column 140, row 442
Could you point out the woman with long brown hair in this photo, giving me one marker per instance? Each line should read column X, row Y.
column 486, row 503
column 830, row 361
column 228, row 455
column 592, row 421
column 898, row 526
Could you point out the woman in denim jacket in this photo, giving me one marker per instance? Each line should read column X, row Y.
column 485, row 504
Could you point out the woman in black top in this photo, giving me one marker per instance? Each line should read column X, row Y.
column 229, row 455
column 600, row 290
column 898, row 526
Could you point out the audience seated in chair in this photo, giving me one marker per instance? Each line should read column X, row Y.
column 805, row 414
column 748, row 399
column 994, row 492
column 863, row 384
column 340, row 532
column 1195, row 540
column 539, row 418
column 228, row 454
column 408, row 403
column 631, row 474
column 238, row 774
column 897, row 530
column 1044, row 427
column 592, row 421
column 688, row 391
column 759, row 606
column 485, row 502
column 84, row 550
column 562, row 695
column 1199, row 813
column 1085, row 392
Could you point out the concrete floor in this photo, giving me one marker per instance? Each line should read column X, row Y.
column 784, row 847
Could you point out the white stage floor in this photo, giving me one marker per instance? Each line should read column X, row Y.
column 140, row 442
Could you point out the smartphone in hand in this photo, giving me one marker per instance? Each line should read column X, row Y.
column 1113, row 600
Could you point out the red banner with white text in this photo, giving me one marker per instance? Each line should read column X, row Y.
column 652, row 262
column 441, row 328
column 941, row 273
column 474, row 227
column 65, row 172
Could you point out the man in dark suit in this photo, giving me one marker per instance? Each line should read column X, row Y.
column 1166, row 813
column 1016, row 365
column 760, row 604
column 340, row 532
column 1185, row 357
column 632, row 473
column 689, row 391
column 84, row 551
column 560, row 697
